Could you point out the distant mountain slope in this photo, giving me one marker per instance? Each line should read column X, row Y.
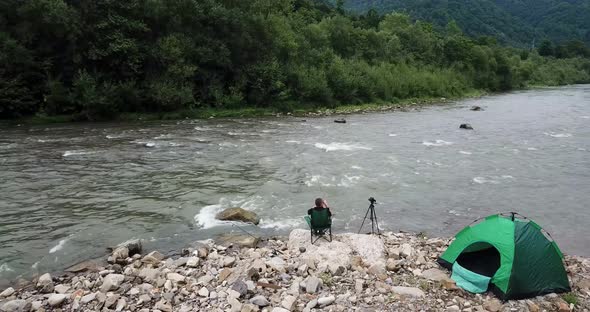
column 511, row 21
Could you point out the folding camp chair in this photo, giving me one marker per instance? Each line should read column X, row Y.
column 320, row 224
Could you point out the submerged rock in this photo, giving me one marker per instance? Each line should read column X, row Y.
column 238, row 214
column 466, row 126
column 90, row 266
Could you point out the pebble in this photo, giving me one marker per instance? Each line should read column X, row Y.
column 260, row 301
column 203, row 292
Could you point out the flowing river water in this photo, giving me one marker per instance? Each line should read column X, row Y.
column 68, row 191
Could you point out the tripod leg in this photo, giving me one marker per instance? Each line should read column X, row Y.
column 376, row 222
column 365, row 218
column 372, row 220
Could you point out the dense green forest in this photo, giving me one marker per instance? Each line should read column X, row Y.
column 96, row 59
column 515, row 22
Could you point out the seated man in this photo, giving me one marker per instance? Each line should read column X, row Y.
column 320, row 220
column 319, row 205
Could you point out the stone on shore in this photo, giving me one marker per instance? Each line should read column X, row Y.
column 260, row 301
column 134, row 246
column 312, row 284
column 62, row 289
column 192, row 262
column 289, row 302
column 175, row 277
column 408, row 291
column 7, row 292
column 435, row 275
column 153, row 257
column 240, row 240
column 56, row 299
column 111, row 282
column 14, row 306
column 238, row 214
column 325, row 301
column 45, row 283
column 493, row 305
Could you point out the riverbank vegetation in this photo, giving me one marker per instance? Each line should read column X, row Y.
column 96, row 60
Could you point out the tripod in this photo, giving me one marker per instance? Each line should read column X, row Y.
column 372, row 217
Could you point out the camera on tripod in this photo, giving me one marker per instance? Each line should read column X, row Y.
column 372, row 216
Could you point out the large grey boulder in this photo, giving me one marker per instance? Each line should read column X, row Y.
column 238, row 214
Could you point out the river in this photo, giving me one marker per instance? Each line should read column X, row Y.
column 70, row 190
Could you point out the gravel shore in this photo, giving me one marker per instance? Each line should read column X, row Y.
column 391, row 272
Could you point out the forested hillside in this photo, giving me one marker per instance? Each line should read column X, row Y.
column 516, row 22
column 96, row 59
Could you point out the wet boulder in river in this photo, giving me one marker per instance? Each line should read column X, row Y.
column 341, row 120
column 476, row 108
column 238, row 214
column 466, row 126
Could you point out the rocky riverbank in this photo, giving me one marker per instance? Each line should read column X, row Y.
column 394, row 272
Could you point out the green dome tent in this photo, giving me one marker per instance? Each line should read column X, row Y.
column 511, row 255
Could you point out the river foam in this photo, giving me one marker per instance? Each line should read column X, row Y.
column 335, row 146
column 437, row 143
column 76, row 153
column 60, row 245
column 281, row 224
column 206, row 217
column 558, row 135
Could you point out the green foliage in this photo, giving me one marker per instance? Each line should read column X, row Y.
column 515, row 22
column 97, row 60
column 570, row 298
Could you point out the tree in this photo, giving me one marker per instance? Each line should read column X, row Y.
column 546, row 48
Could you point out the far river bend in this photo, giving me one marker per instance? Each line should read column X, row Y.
column 68, row 191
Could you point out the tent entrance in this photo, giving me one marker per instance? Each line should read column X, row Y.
column 481, row 258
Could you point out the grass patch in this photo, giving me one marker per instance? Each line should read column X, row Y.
column 327, row 279
column 570, row 298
